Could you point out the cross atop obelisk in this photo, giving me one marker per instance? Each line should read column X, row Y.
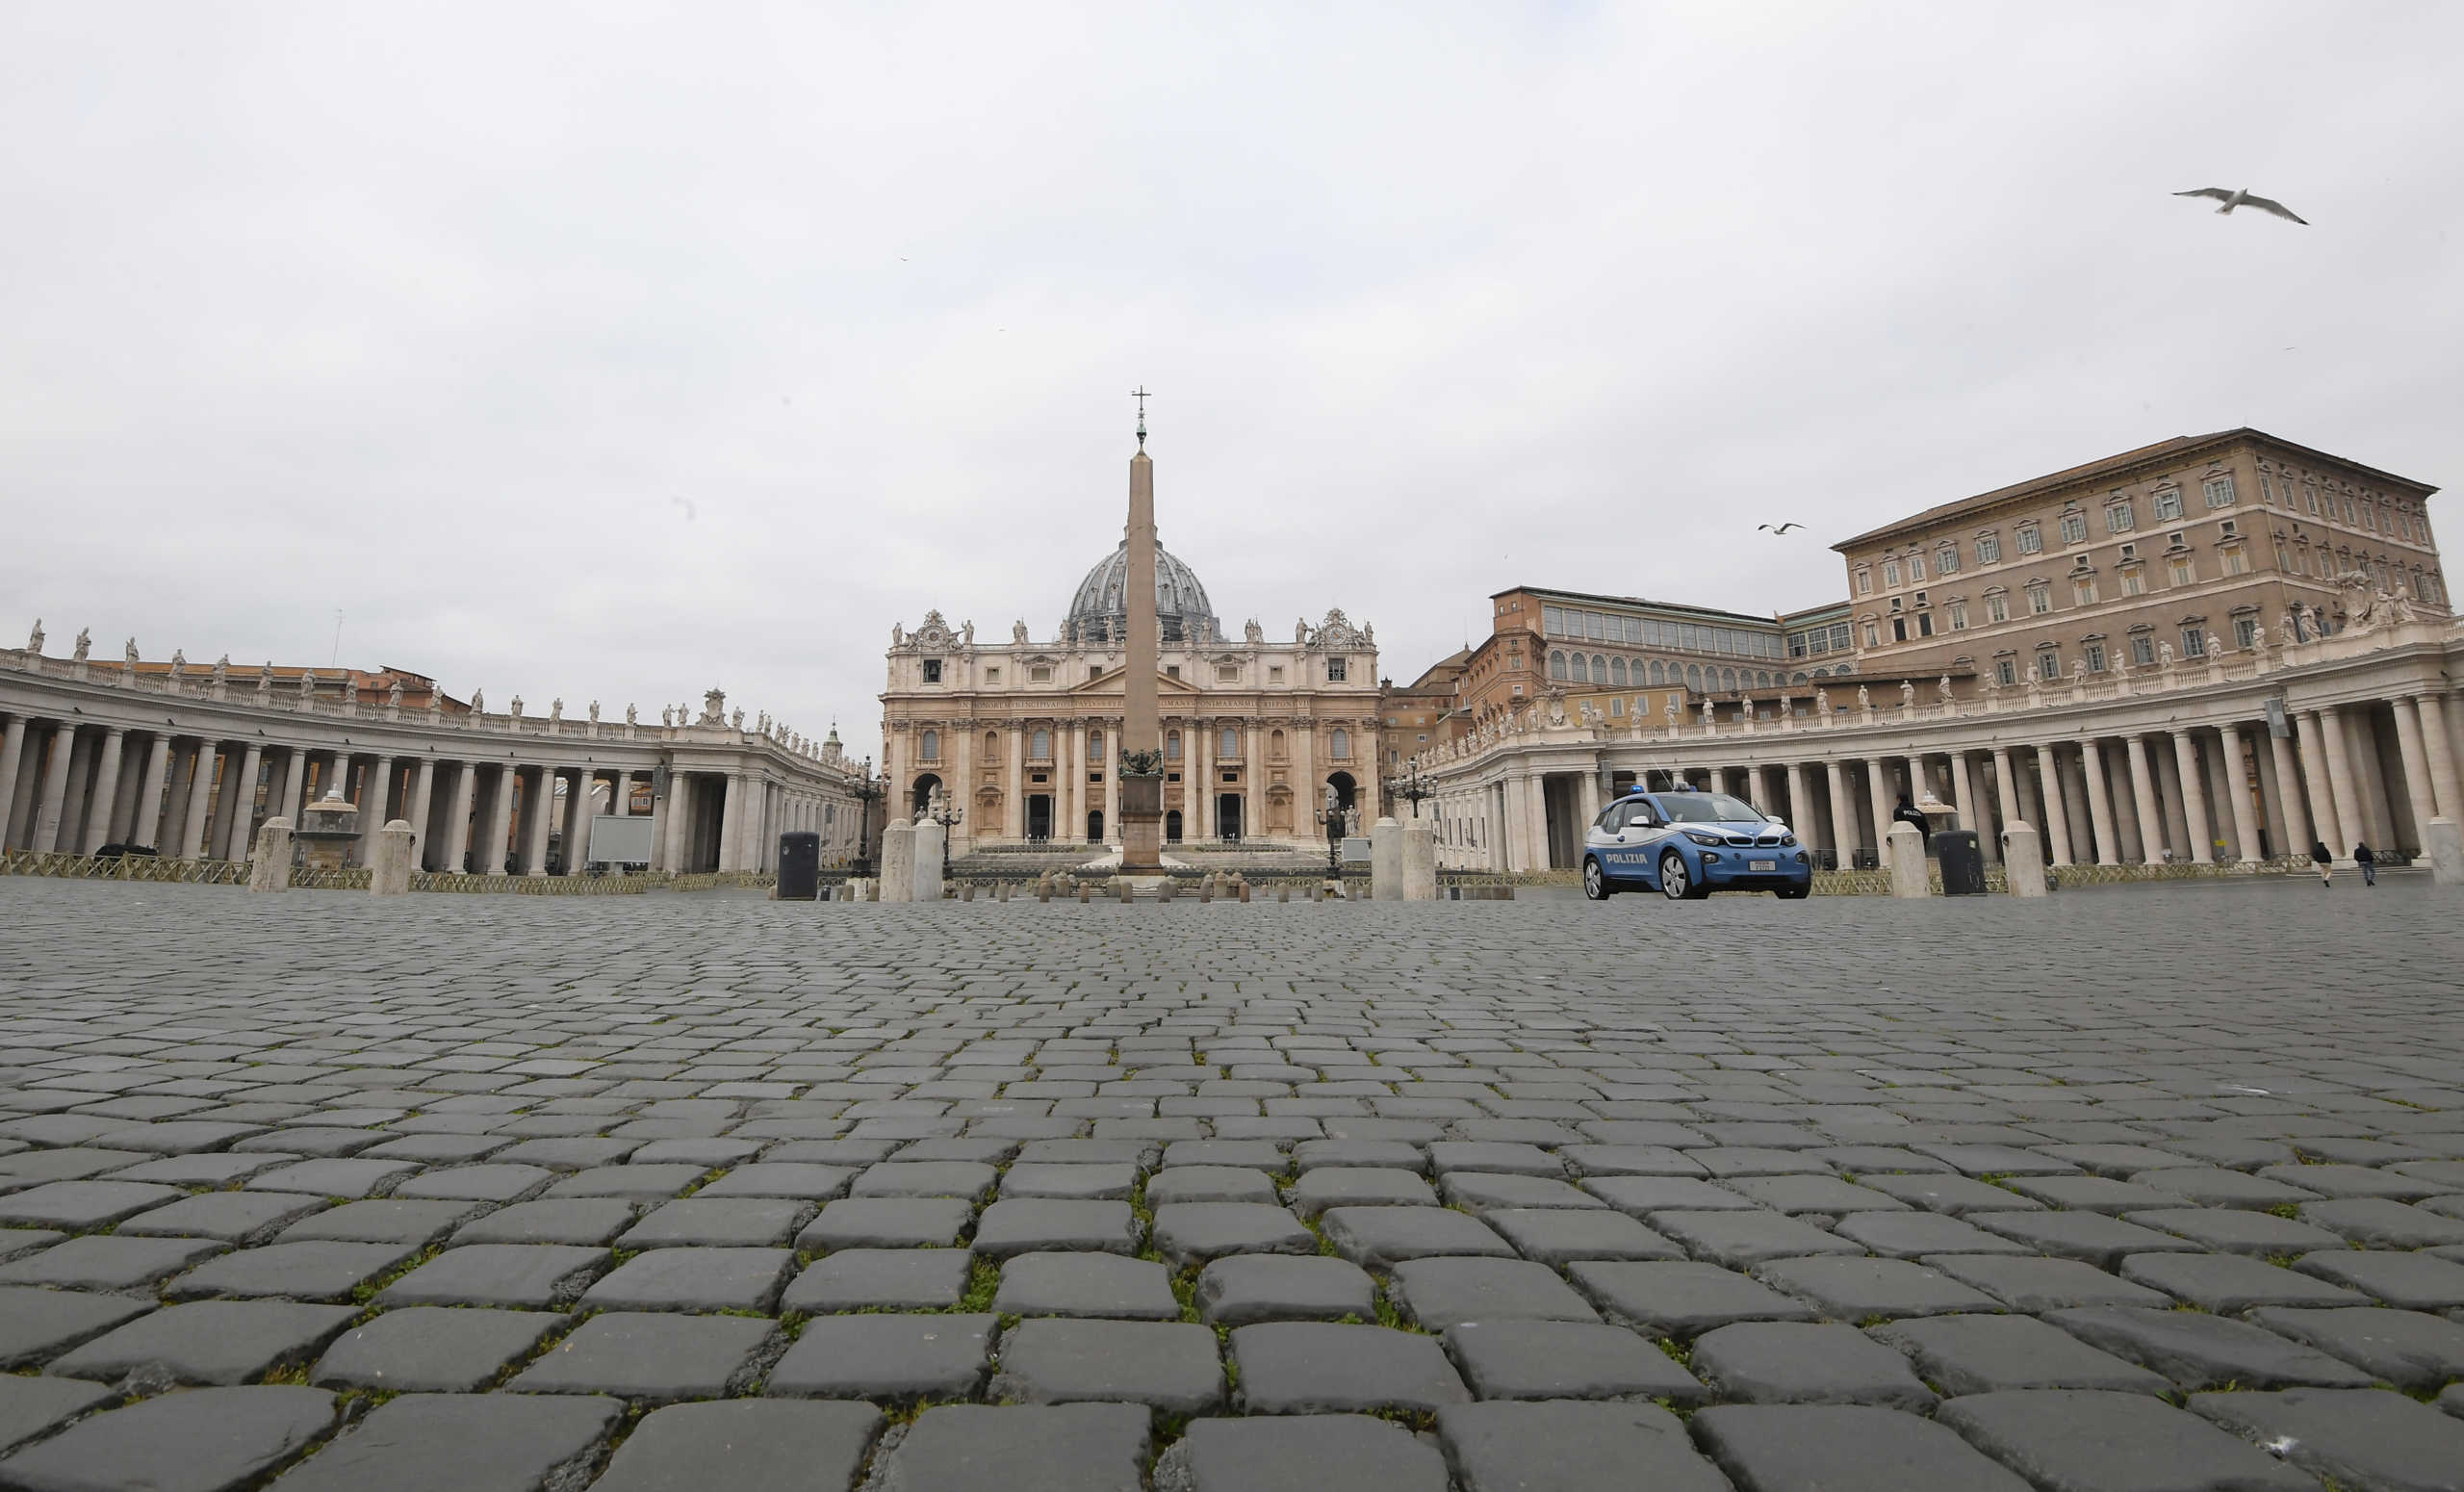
column 1142, row 731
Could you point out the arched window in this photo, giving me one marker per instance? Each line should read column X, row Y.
column 1040, row 746
column 1617, row 671
column 991, row 743
column 1231, row 742
column 1658, row 674
column 1275, row 745
column 1095, row 747
column 1340, row 743
column 927, row 746
column 1599, row 669
column 1556, row 665
column 1172, row 745
column 1694, row 677
column 1727, row 679
column 1800, row 677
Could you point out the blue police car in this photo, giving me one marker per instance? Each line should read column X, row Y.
column 1687, row 843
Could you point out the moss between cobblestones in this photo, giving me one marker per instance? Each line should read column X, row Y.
column 365, row 1292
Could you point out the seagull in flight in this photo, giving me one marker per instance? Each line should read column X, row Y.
column 2240, row 197
column 1774, row 531
column 686, row 504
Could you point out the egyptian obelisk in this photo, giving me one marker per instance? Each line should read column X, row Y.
column 1141, row 795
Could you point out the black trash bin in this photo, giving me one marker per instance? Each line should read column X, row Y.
column 799, row 867
column 1962, row 860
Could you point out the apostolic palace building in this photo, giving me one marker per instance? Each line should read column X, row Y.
column 1023, row 735
column 2215, row 648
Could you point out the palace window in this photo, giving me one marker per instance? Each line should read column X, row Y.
column 1659, row 676
column 2048, row 666
column 2193, row 642
column 991, row 744
column 992, row 676
column 1988, row 549
column 1095, row 747
column 1617, row 671
column 2235, row 561
column 1997, row 606
column 2121, row 518
column 2168, row 504
column 1694, row 677
column 2310, row 499
column 1338, row 670
column 1947, row 560
column 1275, row 745
column 2133, row 581
column 1039, row 745
column 1556, row 664
column 1616, row 706
column 1041, row 673
column 1172, row 745
column 1865, row 582
column 1227, row 672
column 2040, row 598
column 1873, row 635
column 1916, row 567
column 927, row 746
column 932, row 670
column 1890, row 573
column 2083, row 590
column 1339, row 743
column 1274, row 673
column 1230, row 743
column 2094, row 652
column 2074, row 528
column 2031, row 539
column 2006, row 670
column 1958, row 616
column 2218, row 490
column 1899, row 629
column 2142, row 648
column 2180, row 571
column 2245, row 632
column 1599, row 669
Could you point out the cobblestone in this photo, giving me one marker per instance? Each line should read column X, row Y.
column 401, row 1141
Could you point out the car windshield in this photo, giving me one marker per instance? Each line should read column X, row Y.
column 1709, row 807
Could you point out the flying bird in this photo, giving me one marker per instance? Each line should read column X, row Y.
column 1777, row 529
column 2240, row 197
column 685, row 503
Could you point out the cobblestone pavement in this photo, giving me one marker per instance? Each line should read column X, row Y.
column 494, row 1193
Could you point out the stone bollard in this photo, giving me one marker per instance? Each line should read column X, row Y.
column 1386, row 860
column 2443, row 841
column 898, row 862
column 1420, row 861
column 2023, row 860
column 1283, row 893
column 966, row 891
column 1905, row 853
column 270, row 870
column 1043, row 890
column 1241, row 886
column 388, row 863
column 1205, row 889
column 929, row 837
column 1085, row 890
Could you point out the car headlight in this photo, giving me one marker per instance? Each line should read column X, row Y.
column 1790, row 838
column 1702, row 839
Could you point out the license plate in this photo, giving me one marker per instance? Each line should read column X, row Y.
column 1763, row 865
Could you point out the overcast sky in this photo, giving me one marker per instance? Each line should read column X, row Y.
column 441, row 315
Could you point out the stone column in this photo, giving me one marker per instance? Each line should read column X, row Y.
column 2315, row 778
column 2236, row 782
column 98, row 817
column 2341, row 784
column 2288, row 793
column 1801, row 805
column 538, row 811
column 295, row 781
column 422, row 795
column 2194, row 799
column 2100, row 807
column 578, row 818
column 1014, row 788
column 339, row 779
column 732, row 823
column 1590, row 800
column 12, row 750
column 375, row 805
column 192, row 829
column 2006, row 787
column 241, row 833
column 501, row 841
column 2413, row 751
column 1077, row 784
column 2057, row 820
column 670, row 833
column 1112, row 783
column 1197, row 785
column 2445, row 791
column 2143, row 802
column 1843, row 816
column 1877, row 793
column 1535, row 820
column 146, row 824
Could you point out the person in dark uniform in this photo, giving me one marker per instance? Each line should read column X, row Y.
column 2369, row 864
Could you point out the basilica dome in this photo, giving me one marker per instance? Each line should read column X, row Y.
column 1182, row 611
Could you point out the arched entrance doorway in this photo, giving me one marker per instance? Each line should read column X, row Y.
column 1346, row 798
column 1173, row 826
column 1227, row 817
column 1094, row 826
column 921, row 795
column 1039, row 816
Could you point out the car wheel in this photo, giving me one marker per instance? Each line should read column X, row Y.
column 1793, row 892
column 1674, row 883
column 1595, row 881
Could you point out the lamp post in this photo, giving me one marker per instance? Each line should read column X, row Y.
column 1411, row 786
column 866, row 791
column 945, row 813
column 1332, row 816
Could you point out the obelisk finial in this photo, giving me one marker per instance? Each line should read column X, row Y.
column 1139, row 394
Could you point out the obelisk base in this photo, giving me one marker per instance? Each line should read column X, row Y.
column 1142, row 824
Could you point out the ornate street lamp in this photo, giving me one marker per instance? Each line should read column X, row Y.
column 866, row 791
column 945, row 813
column 1332, row 816
column 1411, row 786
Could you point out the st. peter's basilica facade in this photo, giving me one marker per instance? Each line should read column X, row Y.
column 1024, row 734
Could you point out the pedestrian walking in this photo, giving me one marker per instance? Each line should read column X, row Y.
column 2320, row 858
column 2367, row 863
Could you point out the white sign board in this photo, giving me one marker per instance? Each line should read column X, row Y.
column 620, row 841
